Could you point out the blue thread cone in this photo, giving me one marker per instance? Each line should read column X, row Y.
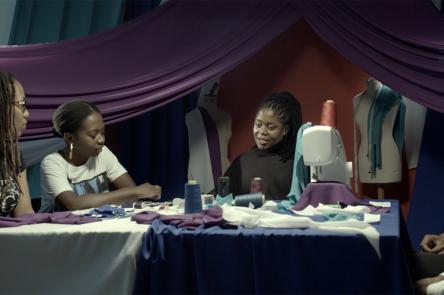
column 257, row 199
column 193, row 201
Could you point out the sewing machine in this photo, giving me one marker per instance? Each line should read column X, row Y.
column 323, row 151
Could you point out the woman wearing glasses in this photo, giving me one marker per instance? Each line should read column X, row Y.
column 14, row 192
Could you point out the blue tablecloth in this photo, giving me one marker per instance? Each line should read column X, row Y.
column 271, row 261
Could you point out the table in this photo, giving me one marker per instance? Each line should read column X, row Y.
column 93, row 258
column 272, row 261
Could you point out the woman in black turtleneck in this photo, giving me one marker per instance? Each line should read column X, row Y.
column 277, row 122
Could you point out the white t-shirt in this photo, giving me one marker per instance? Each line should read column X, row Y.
column 436, row 288
column 57, row 176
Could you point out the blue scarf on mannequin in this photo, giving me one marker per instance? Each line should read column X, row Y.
column 381, row 105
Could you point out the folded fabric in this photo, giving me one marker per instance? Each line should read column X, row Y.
column 258, row 218
column 107, row 211
column 331, row 193
column 228, row 199
column 340, row 217
column 208, row 217
column 65, row 217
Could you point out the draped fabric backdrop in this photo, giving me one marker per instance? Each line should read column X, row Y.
column 168, row 52
column 7, row 9
column 154, row 146
column 34, row 21
column 427, row 204
column 42, row 22
column 174, row 49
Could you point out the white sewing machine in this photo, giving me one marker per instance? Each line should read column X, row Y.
column 323, row 151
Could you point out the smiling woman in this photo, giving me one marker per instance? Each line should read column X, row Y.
column 276, row 124
column 81, row 175
column 14, row 193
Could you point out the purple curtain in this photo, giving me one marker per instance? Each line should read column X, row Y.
column 145, row 63
column 400, row 43
column 174, row 49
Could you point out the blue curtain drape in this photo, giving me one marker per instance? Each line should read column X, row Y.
column 37, row 21
column 7, row 9
column 154, row 146
column 427, row 203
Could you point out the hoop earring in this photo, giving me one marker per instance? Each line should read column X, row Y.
column 71, row 147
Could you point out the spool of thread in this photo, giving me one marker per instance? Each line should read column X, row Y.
column 257, row 185
column 193, row 202
column 207, row 201
column 328, row 115
column 257, row 199
column 223, row 186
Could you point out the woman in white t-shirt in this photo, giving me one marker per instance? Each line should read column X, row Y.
column 81, row 175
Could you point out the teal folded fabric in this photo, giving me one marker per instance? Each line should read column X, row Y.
column 301, row 174
column 380, row 107
column 228, row 199
column 340, row 217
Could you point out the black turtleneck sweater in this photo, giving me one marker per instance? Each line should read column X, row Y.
column 269, row 165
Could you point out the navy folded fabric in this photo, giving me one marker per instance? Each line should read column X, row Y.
column 107, row 211
column 208, row 217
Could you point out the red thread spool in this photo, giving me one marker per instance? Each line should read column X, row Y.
column 328, row 116
column 257, row 185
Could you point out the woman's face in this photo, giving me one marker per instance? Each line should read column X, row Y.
column 268, row 129
column 90, row 137
column 21, row 114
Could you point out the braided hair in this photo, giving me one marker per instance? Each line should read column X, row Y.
column 9, row 148
column 288, row 109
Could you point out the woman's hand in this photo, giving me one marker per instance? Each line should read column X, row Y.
column 147, row 190
column 433, row 243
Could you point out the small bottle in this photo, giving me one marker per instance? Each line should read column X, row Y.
column 257, row 185
column 223, row 186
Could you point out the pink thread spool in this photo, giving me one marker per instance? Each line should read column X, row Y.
column 328, row 116
column 257, row 185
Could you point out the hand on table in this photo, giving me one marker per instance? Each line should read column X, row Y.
column 433, row 243
column 147, row 190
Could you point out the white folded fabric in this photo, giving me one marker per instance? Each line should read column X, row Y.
column 259, row 218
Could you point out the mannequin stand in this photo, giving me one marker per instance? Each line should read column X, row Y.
column 380, row 192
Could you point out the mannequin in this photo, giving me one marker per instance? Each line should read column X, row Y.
column 203, row 165
column 414, row 122
column 366, row 106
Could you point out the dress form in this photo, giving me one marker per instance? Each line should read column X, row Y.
column 208, row 101
column 390, row 170
column 200, row 165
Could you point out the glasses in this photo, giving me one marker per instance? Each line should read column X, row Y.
column 21, row 104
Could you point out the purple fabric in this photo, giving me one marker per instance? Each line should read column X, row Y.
column 65, row 217
column 326, row 193
column 208, row 217
column 145, row 63
column 399, row 43
column 332, row 193
column 213, row 144
column 176, row 48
